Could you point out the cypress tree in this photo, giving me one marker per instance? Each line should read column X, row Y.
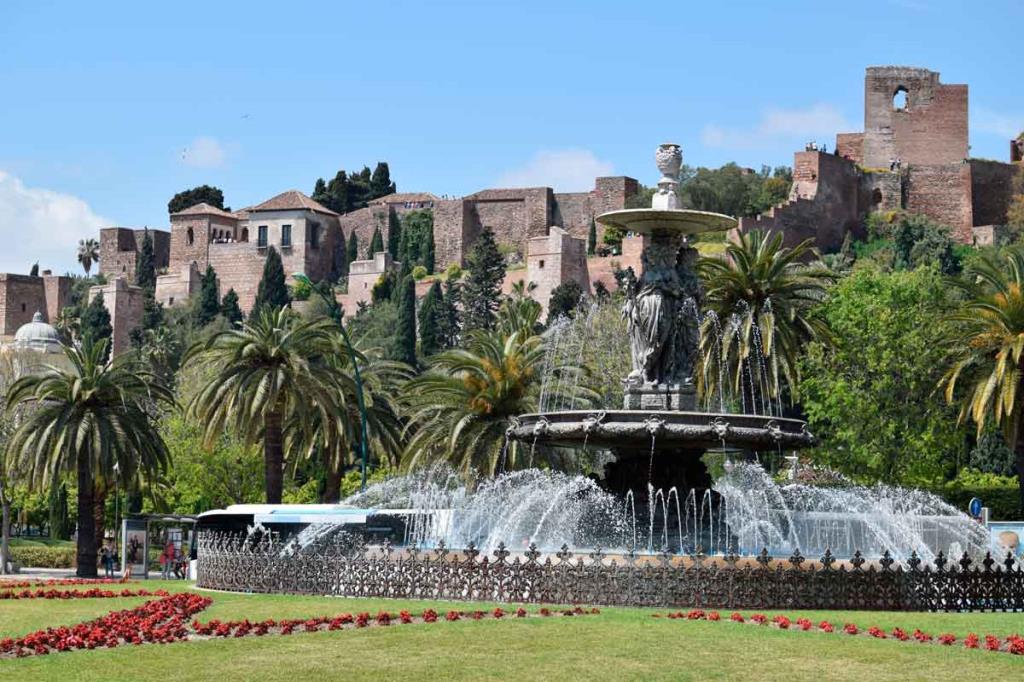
column 427, row 249
column 34, row 272
column 482, row 294
column 431, row 310
column 229, row 307
column 353, row 248
column 145, row 269
column 272, row 292
column 592, row 238
column 376, row 243
column 450, row 320
column 207, row 305
column 152, row 311
column 95, row 322
column 565, row 300
column 395, row 239
column 406, row 341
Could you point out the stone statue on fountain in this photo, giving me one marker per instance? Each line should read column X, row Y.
column 661, row 308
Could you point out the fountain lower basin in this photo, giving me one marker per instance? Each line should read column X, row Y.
column 666, row 429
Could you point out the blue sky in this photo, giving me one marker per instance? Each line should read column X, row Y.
column 110, row 108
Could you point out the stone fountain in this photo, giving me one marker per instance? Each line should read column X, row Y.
column 659, row 435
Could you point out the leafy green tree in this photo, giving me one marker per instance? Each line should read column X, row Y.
column 58, row 503
column 592, row 238
column 87, row 418
column 384, row 287
column 460, row 409
column 94, row 325
column 407, row 321
column 869, row 395
column 273, row 290
column 991, row 455
column 376, row 243
column 431, row 311
column 733, row 190
column 204, row 194
column 374, row 327
column 88, row 253
column 206, row 306
column 987, row 341
column 565, row 300
column 764, row 293
column 918, row 241
column 482, row 292
column 229, row 308
column 353, row 248
column 228, row 472
column 380, row 182
column 417, row 244
column 145, row 268
column 612, row 238
column 272, row 367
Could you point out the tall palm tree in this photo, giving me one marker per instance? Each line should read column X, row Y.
column 460, row 409
column 88, row 253
column 333, row 441
column 761, row 294
column 271, row 368
column 88, row 417
column 988, row 349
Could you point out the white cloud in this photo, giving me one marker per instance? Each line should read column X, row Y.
column 204, row 152
column 1006, row 126
column 565, row 170
column 38, row 224
column 777, row 126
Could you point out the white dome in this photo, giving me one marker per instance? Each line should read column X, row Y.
column 38, row 335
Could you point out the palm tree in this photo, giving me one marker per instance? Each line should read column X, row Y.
column 761, row 294
column 332, row 441
column 988, row 349
column 88, row 253
column 87, row 418
column 271, row 368
column 460, row 409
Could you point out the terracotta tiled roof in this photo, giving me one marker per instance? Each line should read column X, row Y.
column 291, row 200
column 205, row 209
column 402, row 197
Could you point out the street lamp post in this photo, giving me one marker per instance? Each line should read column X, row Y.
column 301, row 277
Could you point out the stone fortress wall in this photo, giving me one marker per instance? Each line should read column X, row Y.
column 912, row 155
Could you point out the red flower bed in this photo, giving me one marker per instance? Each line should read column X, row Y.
column 1013, row 644
column 162, row 620
column 59, row 582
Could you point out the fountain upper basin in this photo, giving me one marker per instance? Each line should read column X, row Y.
column 672, row 221
column 634, row 429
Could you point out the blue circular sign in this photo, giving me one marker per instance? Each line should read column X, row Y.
column 974, row 506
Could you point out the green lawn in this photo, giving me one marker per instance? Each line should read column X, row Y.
column 617, row 644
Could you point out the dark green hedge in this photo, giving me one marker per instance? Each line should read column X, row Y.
column 1002, row 501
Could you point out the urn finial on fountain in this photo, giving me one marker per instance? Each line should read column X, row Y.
column 669, row 158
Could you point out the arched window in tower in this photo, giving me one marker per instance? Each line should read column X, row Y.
column 245, row 235
column 190, row 237
column 876, row 197
column 899, row 99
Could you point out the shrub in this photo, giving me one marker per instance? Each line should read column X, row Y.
column 999, row 493
column 453, row 271
column 44, row 557
column 419, row 272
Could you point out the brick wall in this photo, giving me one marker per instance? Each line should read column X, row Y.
column 177, row 287
column 20, row 297
column 943, row 193
column 991, row 190
column 554, row 259
column 190, row 240
column 825, row 203
column 931, row 130
column 117, row 252
column 124, row 303
column 239, row 266
column 514, row 215
column 57, row 291
column 850, row 146
column 881, row 191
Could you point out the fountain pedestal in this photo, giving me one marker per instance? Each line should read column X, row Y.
column 648, row 396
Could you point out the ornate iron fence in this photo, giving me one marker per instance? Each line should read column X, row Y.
column 235, row 562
